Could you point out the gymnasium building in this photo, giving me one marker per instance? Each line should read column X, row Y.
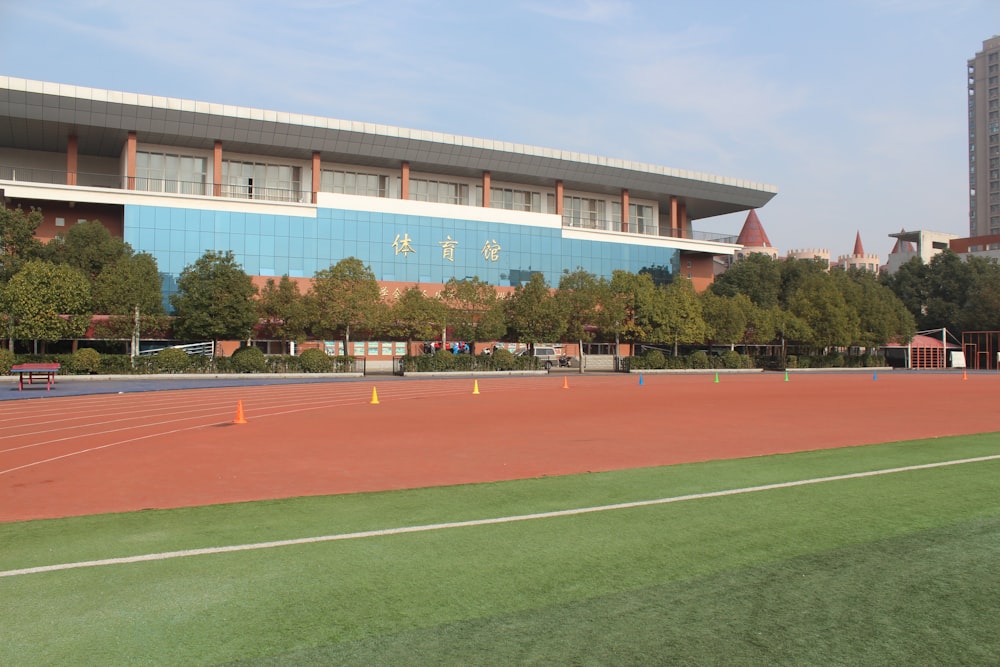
column 293, row 194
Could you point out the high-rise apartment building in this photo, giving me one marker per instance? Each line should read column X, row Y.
column 984, row 140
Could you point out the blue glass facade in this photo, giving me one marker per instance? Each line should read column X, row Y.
column 407, row 248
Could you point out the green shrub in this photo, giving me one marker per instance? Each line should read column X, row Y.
column 248, row 360
column 6, row 360
column 171, row 360
column 654, row 359
column 315, row 360
column 503, row 360
column 121, row 364
column 731, row 359
column 86, row 360
column 699, row 359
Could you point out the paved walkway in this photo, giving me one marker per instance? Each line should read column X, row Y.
column 79, row 385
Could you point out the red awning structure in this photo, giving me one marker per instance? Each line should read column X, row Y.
column 927, row 349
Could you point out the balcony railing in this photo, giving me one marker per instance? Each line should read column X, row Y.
column 297, row 195
column 146, row 184
column 645, row 229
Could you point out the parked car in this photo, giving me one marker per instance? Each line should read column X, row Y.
column 547, row 356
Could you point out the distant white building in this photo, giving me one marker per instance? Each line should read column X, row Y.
column 921, row 243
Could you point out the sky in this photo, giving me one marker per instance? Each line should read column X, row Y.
column 855, row 110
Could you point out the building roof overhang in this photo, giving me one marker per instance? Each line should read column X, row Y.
column 37, row 115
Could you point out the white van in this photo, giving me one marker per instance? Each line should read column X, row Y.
column 547, row 356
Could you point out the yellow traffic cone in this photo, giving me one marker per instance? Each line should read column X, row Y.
column 475, row 387
column 374, row 397
column 240, row 417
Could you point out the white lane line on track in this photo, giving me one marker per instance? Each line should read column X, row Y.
column 168, row 555
column 270, row 410
column 275, row 410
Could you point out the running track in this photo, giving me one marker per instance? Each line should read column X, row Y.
column 67, row 456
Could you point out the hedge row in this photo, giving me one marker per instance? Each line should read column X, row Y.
column 87, row 361
column 730, row 359
column 443, row 361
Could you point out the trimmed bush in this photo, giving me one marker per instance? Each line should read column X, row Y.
column 731, row 359
column 171, row 360
column 315, row 360
column 654, row 359
column 6, row 361
column 699, row 359
column 503, row 360
column 248, row 360
column 86, row 360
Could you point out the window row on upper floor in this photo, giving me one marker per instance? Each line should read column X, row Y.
column 162, row 171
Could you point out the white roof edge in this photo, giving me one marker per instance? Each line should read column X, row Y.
column 233, row 111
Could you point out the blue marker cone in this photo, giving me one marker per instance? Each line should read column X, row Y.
column 640, row 379
column 874, row 375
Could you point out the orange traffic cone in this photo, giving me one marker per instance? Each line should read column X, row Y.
column 240, row 417
column 475, row 387
column 565, row 382
column 374, row 397
column 964, row 376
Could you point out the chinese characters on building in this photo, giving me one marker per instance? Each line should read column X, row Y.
column 403, row 245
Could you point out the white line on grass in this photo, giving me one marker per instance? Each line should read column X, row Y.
column 167, row 555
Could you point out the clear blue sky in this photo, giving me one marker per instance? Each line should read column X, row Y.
column 855, row 110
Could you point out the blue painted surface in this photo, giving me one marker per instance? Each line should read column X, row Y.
column 397, row 247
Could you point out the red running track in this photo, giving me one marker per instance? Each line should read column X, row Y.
column 113, row 453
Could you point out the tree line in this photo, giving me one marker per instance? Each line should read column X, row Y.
column 48, row 292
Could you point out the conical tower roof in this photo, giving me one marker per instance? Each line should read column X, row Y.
column 901, row 245
column 753, row 235
column 859, row 250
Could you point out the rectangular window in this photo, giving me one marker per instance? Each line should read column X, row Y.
column 165, row 172
column 441, row 192
column 585, row 213
column 60, row 222
column 516, row 200
column 354, row 183
column 641, row 219
column 256, row 180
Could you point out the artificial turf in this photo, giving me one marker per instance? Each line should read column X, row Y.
column 887, row 569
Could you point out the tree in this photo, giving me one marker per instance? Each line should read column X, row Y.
column 342, row 299
column 909, row 284
column 281, row 311
column 725, row 317
column 882, row 317
column 757, row 275
column 533, row 314
column 88, row 246
column 981, row 310
column 794, row 272
column 214, row 299
column 476, row 313
column 579, row 297
column 47, row 302
column 678, row 315
column 948, row 280
column 629, row 306
column 415, row 316
column 132, row 281
column 17, row 239
column 818, row 302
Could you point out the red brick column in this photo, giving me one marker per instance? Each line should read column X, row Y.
column 130, row 145
column 317, row 166
column 217, row 169
column 71, row 159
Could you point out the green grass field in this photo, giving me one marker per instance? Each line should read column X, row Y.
column 898, row 568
